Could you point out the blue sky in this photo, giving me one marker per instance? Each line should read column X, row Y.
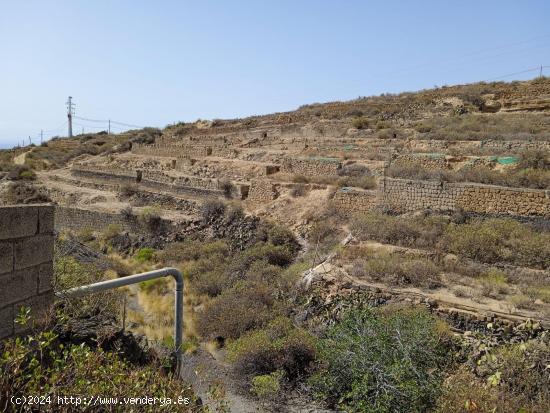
column 159, row 62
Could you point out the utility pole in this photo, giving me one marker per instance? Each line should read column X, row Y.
column 41, row 136
column 30, row 140
column 70, row 113
column 109, row 126
column 540, row 74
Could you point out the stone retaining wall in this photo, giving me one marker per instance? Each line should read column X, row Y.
column 402, row 195
column 312, row 166
column 171, row 150
column 26, row 263
column 261, row 191
column 355, row 200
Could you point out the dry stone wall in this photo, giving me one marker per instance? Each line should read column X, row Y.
column 311, row 166
column 171, row 150
column 402, row 195
column 26, row 263
column 355, row 200
column 261, row 191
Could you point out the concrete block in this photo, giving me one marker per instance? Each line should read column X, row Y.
column 6, row 322
column 33, row 251
column 45, row 277
column 46, row 219
column 6, row 257
column 18, row 221
column 18, row 285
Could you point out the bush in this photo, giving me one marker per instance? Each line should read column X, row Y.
column 111, row 231
column 241, row 308
column 499, row 240
column 18, row 172
column 280, row 346
column 145, row 255
column 227, row 188
column 534, row 159
column 420, row 232
column 177, row 252
column 493, row 283
column 398, row 270
column 360, row 122
column 267, row 385
column 383, row 360
column 520, row 369
column 464, row 392
column 128, row 190
column 40, row 365
column 150, row 218
column 212, row 210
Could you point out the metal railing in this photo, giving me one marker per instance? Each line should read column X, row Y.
column 134, row 279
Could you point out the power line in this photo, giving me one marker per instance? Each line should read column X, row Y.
column 107, row 121
column 519, row 73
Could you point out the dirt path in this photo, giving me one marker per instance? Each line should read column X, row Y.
column 203, row 371
column 20, row 159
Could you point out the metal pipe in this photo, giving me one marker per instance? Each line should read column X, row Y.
column 134, row 279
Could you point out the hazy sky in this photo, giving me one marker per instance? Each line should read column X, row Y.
column 158, row 62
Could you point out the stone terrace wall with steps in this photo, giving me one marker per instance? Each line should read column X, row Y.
column 26, row 263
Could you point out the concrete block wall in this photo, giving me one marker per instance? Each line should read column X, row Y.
column 26, row 262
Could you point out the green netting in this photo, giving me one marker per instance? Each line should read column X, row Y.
column 507, row 160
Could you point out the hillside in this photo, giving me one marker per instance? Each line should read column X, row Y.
column 438, row 199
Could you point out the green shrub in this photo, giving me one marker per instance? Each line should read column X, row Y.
column 493, row 283
column 267, row 385
column 144, row 255
column 40, row 365
column 280, row 346
column 520, row 369
column 383, row 360
column 158, row 285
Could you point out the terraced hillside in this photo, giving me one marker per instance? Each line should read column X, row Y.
column 439, row 198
